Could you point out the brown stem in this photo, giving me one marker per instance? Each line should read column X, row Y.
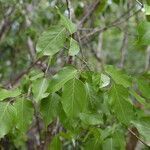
column 137, row 137
column 123, row 50
column 98, row 52
column 6, row 22
column 36, row 113
column 52, row 130
column 70, row 58
column 28, row 22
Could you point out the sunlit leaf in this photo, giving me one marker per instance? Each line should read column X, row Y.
column 9, row 93
column 105, row 80
column 147, row 9
column 91, row 119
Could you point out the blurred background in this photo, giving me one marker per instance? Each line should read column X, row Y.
column 115, row 32
column 121, row 38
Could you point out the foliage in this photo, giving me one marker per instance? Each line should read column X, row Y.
column 75, row 106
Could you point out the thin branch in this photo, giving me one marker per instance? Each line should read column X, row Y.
column 28, row 22
column 36, row 114
column 91, row 8
column 80, row 44
column 138, row 138
column 85, row 29
column 52, row 130
column 70, row 58
column 139, row 3
column 113, row 24
column 98, row 52
column 128, row 17
column 124, row 45
column 6, row 25
column 93, row 51
column 123, row 50
column 24, row 72
column 86, row 63
column 6, row 22
column 124, row 14
column 68, row 8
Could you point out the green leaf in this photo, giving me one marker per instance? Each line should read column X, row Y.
column 39, row 88
column 55, row 144
column 68, row 24
column 74, row 47
column 94, row 99
column 25, row 113
column 74, row 98
column 9, row 93
column 50, row 108
column 51, row 41
column 144, row 87
column 118, row 76
column 59, row 79
column 143, row 33
column 117, row 141
column 91, row 119
column 138, row 97
column 7, row 118
column 109, row 144
column 147, row 9
column 148, row 2
column 122, row 108
column 94, row 141
column 36, row 74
